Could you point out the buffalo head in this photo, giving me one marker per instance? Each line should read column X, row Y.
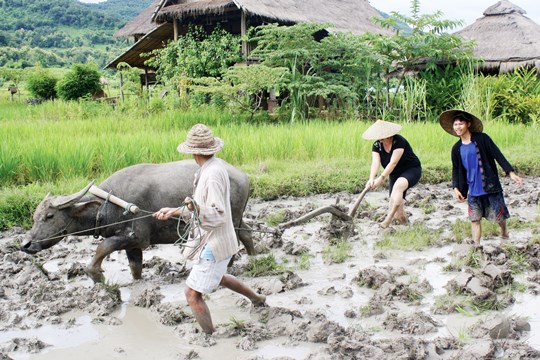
column 53, row 219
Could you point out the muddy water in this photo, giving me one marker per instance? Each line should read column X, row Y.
column 129, row 331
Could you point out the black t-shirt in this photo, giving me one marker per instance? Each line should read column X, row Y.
column 408, row 159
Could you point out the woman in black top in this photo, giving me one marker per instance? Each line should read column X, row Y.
column 399, row 163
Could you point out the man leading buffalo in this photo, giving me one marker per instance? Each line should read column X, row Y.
column 216, row 236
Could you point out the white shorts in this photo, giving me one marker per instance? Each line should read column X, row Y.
column 206, row 275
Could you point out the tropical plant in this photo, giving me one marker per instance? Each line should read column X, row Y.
column 42, row 84
column 197, row 54
column 81, row 81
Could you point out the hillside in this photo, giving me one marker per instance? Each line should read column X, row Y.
column 61, row 32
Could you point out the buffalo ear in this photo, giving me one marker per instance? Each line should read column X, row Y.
column 62, row 202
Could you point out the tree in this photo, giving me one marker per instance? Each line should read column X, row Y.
column 81, row 81
column 41, row 84
column 426, row 46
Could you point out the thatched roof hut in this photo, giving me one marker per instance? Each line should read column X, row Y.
column 142, row 24
column 505, row 38
column 235, row 16
column 353, row 16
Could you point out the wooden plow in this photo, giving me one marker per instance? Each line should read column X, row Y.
column 332, row 209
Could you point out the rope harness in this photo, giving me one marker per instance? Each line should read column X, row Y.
column 192, row 225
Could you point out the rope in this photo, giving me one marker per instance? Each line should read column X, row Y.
column 193, row 224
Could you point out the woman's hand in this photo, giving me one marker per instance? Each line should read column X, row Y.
column 457, row 194
column 369, row 183
column 377, row 182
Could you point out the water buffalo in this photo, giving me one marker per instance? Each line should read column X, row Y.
column 150, row 187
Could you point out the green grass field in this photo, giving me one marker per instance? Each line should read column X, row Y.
column 60, row 146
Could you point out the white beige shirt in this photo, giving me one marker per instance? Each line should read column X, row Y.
column 212, row 195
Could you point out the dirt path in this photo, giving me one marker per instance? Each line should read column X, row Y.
column 339, row 294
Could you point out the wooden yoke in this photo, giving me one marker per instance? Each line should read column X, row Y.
column 115, row 200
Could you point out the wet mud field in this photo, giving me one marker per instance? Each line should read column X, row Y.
column 335, row 290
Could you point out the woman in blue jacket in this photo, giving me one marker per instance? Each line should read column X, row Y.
column 474, row 172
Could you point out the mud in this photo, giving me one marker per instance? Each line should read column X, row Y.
column 446, row 301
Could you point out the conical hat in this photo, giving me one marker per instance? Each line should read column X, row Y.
column 381, row 130
column 446, row 119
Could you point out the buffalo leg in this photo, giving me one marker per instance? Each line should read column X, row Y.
column 135, row 258
column 106, row 247
column 246, row 238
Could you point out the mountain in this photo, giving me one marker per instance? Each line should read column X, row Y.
column 62, row 32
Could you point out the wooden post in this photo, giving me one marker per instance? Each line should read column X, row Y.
column 146, row 78
column 243, row 33
column 175, row 28
column 121, row 86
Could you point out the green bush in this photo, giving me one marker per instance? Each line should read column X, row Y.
column 81, row 81
column 42, row 84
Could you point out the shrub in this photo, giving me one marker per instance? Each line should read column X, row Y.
column 42, row 84
column 81, row 81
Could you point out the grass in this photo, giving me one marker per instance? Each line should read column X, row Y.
column 415, row 237
column 263, row 266
column 461, row 229
column 337, row 252
column 59, row 146
column 303, row 262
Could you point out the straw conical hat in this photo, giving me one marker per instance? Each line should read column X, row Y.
column 381, row 130
column 446, row 119
column 200, row 140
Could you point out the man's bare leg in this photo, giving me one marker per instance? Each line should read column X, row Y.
column 504, row 229
column 200, row 310
column 232, row 283
column 476, row 227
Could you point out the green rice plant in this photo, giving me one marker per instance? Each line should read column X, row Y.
column 427, row 205
column 303, row 262
column 415, row 237
column 463, row 337
column 464, row 312
column 238, row 325
column 517, row 258
column 519, row 287
column 337, row 252
column 263, row 266
column 275, row 218
column 446, row 304
column 112, row 289
column 474, row 259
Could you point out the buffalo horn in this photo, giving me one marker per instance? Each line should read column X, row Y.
column 62, row 202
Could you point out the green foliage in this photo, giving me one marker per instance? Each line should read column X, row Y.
column 81, row 81
column 242, row 87
column 517, row 95
column 416, row 237
column 332, row 67
column 17, row 204
column 197, row 54
column 263, row 265
column 337, row 253
column 41, row 84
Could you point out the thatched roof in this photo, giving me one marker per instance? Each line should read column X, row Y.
column 505, row 38
column 346, row 15
column 153, row 40
column 142, row 24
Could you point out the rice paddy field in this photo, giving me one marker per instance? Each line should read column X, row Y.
column 59, row 146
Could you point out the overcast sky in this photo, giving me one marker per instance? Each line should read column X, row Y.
column 466, row 10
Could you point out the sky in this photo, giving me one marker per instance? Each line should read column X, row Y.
column 466, row 10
